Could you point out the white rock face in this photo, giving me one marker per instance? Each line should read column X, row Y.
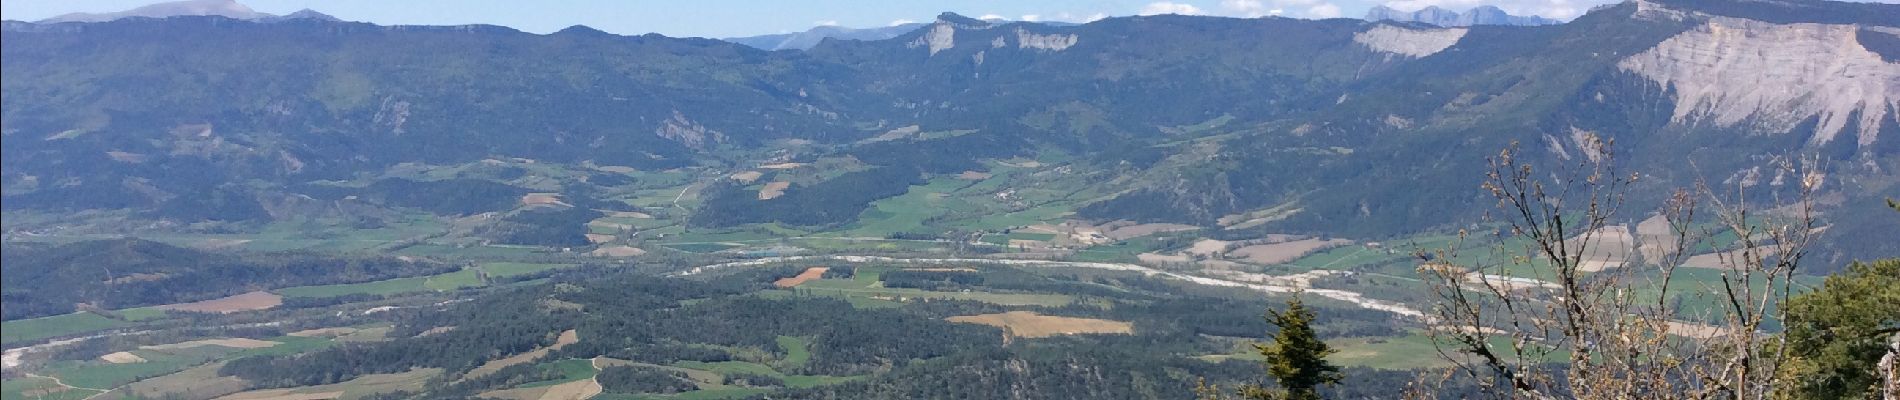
column 1410, row 42
column 942, row 36
column 1731, row 71
column 1052, row 42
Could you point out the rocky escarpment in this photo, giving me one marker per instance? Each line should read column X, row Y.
column 943, row 33
column 1407, row 41
column 1052, row 42
column 1733, row 72
column 688, row 132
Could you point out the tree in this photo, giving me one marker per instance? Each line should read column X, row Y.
column 1837, row 331
column 1296, row 359
column 1568, row 307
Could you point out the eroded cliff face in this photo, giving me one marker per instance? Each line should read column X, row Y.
column 688, row 132
column 1409, row 42
column 1053, row 42
column 1773, row 77
column 942, row 36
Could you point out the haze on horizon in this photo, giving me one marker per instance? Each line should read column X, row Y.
column 753, row 17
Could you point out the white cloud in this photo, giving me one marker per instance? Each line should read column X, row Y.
column 1245, row 8
column 901, row 22
column 1066, row 16
column 828, row 22
column 1324, row 10
column 1164, row 7
column 992, row 17
column 1031, row 17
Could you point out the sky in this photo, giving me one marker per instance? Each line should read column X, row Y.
column 730, row 18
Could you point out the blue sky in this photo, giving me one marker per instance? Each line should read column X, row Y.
column 726, row 18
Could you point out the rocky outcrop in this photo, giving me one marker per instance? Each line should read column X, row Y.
column 1407, row 41
column 688, row 133
column 1051, row 42
column 942, row 36
column 1733, row 72
column 391, row 115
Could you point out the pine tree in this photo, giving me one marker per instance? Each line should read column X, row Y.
column 1296, row 359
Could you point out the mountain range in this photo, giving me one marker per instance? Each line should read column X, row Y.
column 1480, row 15
column 1337, row 126
column 221, row 8
column 810, row 38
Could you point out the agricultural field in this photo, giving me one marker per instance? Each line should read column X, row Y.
column 46, row 327
column 1031, row 325
column 384, row 287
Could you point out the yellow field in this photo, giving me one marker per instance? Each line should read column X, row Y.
column 1032, row 325
column 567, row 338
column 810, row 274
column 258, row 300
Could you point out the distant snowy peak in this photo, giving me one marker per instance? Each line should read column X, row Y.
column 1481, row 15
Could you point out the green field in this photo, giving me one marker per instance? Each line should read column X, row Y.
column 102, row 375
column 700, row 247
column 1402, row 352
column 571, row 370
column 384, row 287
column 19, row 389
column 444, row 282
column 797, row 350
column 728, row 367
column 507, row 269
column 861, row 295
column 436, row 250
column 1344, row 257
column 907, row 212
column 463, row 278
column 58, row 325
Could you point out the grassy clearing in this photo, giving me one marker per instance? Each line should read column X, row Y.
column 59, row 325
column 797, row 350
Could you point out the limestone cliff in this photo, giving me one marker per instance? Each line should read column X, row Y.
column 1733, row 72
column 1407, row 41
